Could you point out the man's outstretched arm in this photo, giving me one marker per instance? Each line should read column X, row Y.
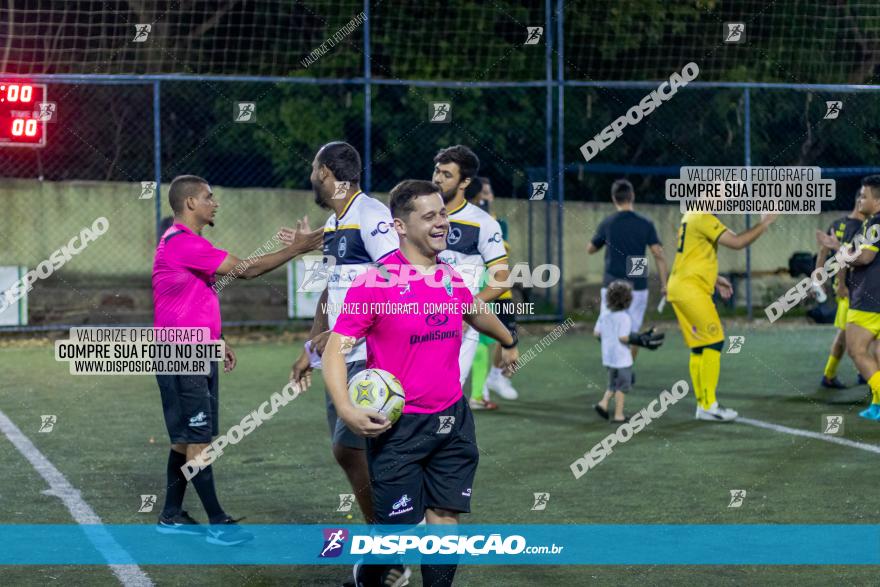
column 731, row 240
column 304, row 241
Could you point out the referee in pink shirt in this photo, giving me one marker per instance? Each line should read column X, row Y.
column 423, row 466
column 183, row 296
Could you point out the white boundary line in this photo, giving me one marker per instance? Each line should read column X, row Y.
column 130, row 575
column 806, row 433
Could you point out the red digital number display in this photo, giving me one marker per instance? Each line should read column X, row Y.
column 20, row 114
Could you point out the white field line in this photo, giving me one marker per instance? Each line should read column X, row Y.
column 808, row 434
column 128, row 574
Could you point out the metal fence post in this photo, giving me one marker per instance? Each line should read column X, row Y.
column 560, row 151
column 548, row 131
column 368, row 105
column 748, row 157
column 157, row 153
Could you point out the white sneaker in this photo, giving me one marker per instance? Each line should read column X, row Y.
column 501, row 385
column 716, row 413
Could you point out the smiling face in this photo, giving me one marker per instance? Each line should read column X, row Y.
column 448, row 177
column 425, row 228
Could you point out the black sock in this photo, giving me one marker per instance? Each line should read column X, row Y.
column 175, row 484
column 438, row 575
column 204, row 484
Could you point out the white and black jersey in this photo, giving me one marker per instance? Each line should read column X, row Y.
column 360, row 236
column 474, row 242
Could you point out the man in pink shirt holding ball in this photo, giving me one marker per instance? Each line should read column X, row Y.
column 410, row 310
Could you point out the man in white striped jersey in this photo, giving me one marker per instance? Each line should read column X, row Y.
column 474, row 243
column 358, row 233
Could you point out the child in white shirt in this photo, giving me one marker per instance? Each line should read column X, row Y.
column 615, row 330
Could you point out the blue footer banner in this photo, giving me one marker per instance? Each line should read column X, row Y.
column 758, row 544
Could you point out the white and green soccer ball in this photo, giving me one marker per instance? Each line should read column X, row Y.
column 379, row 390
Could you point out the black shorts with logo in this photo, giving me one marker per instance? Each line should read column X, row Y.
column 191, row 405
column 424, row 461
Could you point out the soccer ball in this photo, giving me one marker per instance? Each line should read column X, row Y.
column 379, row 390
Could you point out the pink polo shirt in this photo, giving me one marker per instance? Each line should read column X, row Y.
column 183, row 276
column 405, row 336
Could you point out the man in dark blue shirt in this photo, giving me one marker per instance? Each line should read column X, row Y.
column 625, row 236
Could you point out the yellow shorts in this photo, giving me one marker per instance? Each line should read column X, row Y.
column 867, row 320
column 840, row 316
column 699, row 321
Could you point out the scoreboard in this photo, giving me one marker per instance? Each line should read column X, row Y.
column 24, row 112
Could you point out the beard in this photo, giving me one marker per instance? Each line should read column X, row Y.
column 448, row 196
column 319, row 199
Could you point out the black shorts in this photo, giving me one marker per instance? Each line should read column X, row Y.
column 339, row 432
column 424, row 461
column 504, row 312
column 191, row 406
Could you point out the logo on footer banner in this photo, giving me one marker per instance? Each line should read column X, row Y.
column 334, row 542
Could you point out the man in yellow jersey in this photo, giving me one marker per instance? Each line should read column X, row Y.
column 863, row 317
column 691, row 284
column 844, row 229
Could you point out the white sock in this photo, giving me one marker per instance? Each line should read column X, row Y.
column 495, row 372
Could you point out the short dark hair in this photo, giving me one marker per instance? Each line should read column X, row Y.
column 342, row 159
column 183, row 187
column 622, row 191
column 403, row 194
column 619, row 295
column 468, row 163
column 473, row 189
column 873, row 182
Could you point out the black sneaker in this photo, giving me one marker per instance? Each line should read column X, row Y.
column 392, row 575
column 833, row 383
column 182, row 523
column 228, row 533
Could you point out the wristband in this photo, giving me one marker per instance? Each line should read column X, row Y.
column 314, row 358
column 511, row 345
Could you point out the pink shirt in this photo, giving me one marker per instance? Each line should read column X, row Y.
column 183, row 273
column 405, row 337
